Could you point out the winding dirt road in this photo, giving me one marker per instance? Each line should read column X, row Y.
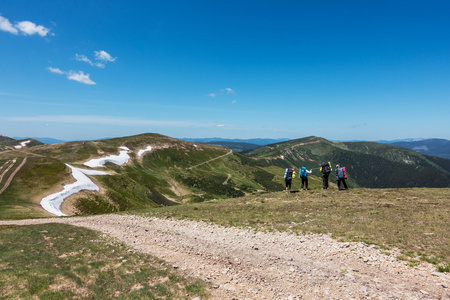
column 243, row 264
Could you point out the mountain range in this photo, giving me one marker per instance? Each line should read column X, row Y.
column 172, row 172
column 160, row 170
column 433, row 147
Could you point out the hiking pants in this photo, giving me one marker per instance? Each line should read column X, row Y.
column 325, row 181
column 305, row 182
column 288, row 183
column 343, row 181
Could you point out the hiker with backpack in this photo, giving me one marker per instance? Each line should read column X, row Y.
column 303, row 174
column 288, row 175
column 341, row 175
column 325, row 169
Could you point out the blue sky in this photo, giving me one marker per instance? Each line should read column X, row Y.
column 342, row 70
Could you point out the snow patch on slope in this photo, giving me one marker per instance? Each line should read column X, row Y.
column 140, row 152
column 120, row 159
column 22, row 144
column 52, row 203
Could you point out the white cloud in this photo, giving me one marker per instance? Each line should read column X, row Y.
column 104, row 56
column 234, row 102
column 211, row 95
column 24, row 27
column 73, row 75
column 228, row 91
column 55, row 70
column 29, row 28
column 5, row 25
column 80, row 77
column 81, row 57
column 220, row 125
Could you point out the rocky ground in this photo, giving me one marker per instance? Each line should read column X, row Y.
column 242, row 264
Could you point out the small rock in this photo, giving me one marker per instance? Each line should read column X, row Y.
column 444, row 285
column 424, row 292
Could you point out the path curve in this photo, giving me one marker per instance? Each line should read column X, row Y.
column 243, row 264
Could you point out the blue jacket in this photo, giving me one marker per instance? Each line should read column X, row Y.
column 303, row 171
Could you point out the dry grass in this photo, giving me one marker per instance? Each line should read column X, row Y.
column 413, row 220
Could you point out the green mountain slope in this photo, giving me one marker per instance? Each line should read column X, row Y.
column 368, row 164
column 7, row 143
column 4, row 138
column 172, row 172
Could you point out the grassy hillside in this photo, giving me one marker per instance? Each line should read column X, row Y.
column 4, row 138
column 173, row 172
column 57, row 261
column 368, row 164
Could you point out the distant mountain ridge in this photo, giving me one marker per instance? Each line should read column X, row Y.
column 432, row 147
column 256, row 141
column 235, row 146
column 44, row 140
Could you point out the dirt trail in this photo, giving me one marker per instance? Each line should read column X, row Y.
column 215, row 158
column 12, row 174
column 242, row 264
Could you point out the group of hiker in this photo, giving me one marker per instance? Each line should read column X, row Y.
column 325, row 169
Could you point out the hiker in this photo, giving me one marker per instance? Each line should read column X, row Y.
column 288, row 175
column 303, row 174
column 341, row 175
column 325, row 169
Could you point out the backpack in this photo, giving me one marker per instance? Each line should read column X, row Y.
column 288, row 174
column 345, row 172
column 303, row 173
column 326, row 168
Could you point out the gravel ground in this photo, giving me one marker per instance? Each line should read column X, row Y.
column 242, row 264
